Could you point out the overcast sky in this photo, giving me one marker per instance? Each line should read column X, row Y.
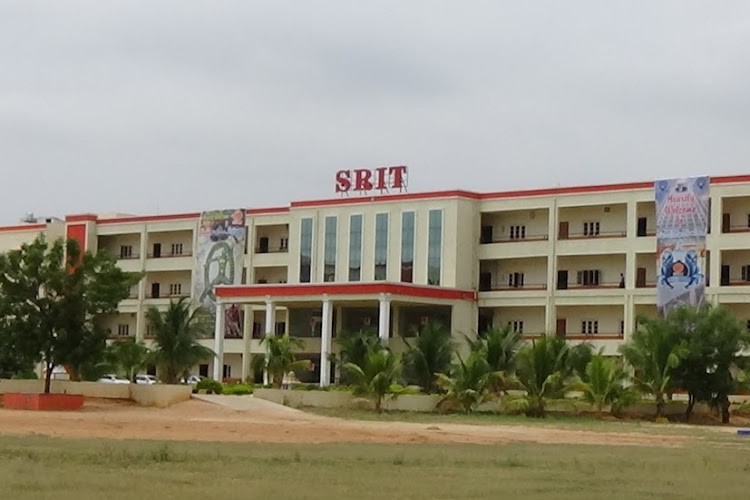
column 156, row 106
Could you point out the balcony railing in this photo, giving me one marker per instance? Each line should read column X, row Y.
column 496, row 287
column 508, row 239
column 738, row 229
column 591, row 336
column 576, row 286
column 271, row 249
column 167, row 295
column 602, row 234
column 132, row 256
column 167, row 255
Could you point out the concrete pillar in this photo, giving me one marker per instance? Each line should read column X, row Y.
column 270, row 331
column 384, row 318
column 219, row 341
column 629, row 317
column 246, row 337
column 325, row 342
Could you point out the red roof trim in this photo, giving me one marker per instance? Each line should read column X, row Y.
column 149, row 218
column 81, row 218
column 297, row 290
column 430, row 195
column 269, row 210
column 24, row 227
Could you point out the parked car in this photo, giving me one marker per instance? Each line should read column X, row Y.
column 192, row 379
column 113, row 379
column 145, row 379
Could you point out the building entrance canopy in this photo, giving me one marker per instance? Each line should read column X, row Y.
column 383, row 293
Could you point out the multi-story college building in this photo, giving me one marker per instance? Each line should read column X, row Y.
column 579, row 262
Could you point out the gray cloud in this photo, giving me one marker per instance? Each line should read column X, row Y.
column 169, row 106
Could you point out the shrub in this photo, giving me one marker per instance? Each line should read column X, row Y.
column 238, row 389
column 209, row 385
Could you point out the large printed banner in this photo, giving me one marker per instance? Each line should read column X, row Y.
column 681, row 227
column 220, row 250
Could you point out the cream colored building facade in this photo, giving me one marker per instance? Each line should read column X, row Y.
column 579, row 262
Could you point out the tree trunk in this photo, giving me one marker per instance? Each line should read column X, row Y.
column 690, row 406
column 48, row 377
column 725, row 410
column 659, row 407
column 379, row 404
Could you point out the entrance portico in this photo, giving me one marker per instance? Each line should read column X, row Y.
column 319, row 310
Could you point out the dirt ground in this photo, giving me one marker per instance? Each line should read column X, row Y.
column 196, row 420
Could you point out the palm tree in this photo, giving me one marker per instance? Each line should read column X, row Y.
column 176, row 334
column 280, row 359
column 544, row 371
column 470, row 384
column 500, row 347
column 379, row 371
column 603, row 384
column 353, row 347
column 654, row 351
column 129, row 357
column 432, row 353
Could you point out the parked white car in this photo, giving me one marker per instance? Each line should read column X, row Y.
column 192, row 379
column 113, row 379
column 145, row 379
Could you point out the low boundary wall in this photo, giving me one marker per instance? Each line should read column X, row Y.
column 159, row 395
column 428, row 403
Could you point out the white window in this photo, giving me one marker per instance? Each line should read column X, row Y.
column 515, row 280
column 591, row 228
column 284, row 244
column 175, row 289
column 589, row 277
column 516, row 326
column 176, row 248
column 517, row 232
column 589, row 327
column 123, row 330
column 126, row 251
column 745, row 273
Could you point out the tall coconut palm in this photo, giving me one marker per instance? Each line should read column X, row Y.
column 470, row 384
column 379, row 371
column 654, row 351
column 128, row 357
column 544, row 371
column 176, row 339
column 280, row 358
column 604, row 384
column 430, row 353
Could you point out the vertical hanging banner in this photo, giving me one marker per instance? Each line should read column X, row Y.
column 220, row 251
column 682, row 212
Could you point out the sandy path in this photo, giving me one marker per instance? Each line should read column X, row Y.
column 203, row 421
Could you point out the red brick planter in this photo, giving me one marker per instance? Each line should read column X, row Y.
column 43, row 402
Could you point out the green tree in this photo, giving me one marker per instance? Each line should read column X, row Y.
column 654, row 352
column 128, row 357
column 430, row 354
column 176, row 334
column 280, row 359
column 713, row 339
column 470, row 383
column 500, row 347
column 51, row 296
column 545, row 371
column 604, row 384
column 353, row 348
column 380, row 370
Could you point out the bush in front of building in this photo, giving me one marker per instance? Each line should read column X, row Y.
column 238, row 389
column 209, row 386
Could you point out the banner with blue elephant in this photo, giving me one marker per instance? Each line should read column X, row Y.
column 682, row 216
column 220, row 253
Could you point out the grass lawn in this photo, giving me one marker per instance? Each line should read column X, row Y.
column 42, row 467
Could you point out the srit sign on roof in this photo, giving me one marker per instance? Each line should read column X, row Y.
column 363, row 179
